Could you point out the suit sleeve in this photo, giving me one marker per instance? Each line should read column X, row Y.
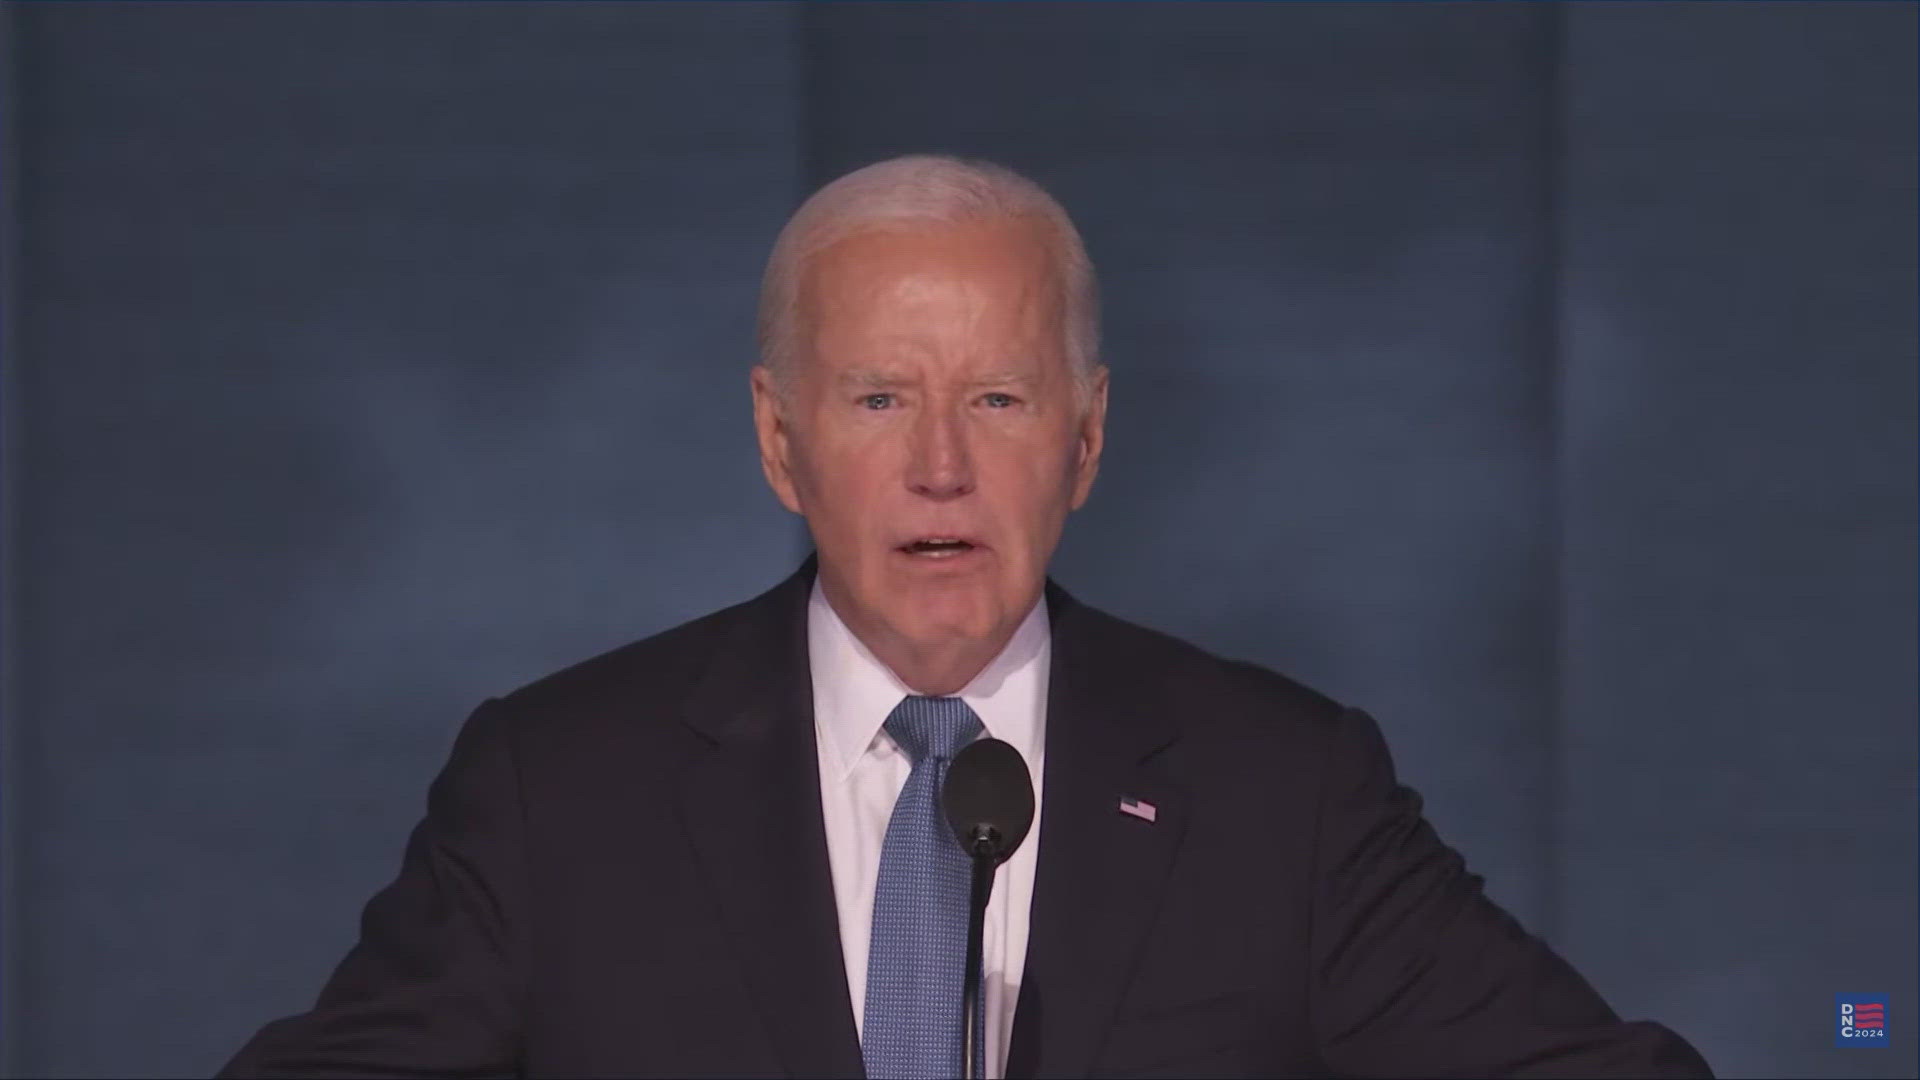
column 432, row 987
column 1417, row 973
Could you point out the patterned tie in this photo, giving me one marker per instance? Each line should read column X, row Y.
column 917, row 960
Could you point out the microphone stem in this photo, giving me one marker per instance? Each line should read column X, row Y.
column 972, row 1036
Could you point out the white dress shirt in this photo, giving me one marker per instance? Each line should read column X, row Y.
column 862, row 771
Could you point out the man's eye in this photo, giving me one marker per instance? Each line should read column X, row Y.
column 877, row 401
column 999, row 401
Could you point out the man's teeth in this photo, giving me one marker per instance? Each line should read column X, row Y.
column 938, row 545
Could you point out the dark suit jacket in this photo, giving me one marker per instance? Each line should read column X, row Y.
column 623, row 871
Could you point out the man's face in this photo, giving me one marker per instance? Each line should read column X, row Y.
column 932, row 401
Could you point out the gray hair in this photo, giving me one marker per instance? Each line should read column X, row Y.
column 924, row 189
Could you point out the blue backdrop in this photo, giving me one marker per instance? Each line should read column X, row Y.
column 1541, row 378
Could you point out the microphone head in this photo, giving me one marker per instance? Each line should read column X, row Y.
column 988, row 798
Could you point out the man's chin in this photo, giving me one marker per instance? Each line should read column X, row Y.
column 949, row 615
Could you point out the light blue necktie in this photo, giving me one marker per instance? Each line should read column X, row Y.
column 916, row 962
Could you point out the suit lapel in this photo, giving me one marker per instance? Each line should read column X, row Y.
column 1101, row 871
column 752, row 810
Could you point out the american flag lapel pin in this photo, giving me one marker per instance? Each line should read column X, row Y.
column 1139, row 808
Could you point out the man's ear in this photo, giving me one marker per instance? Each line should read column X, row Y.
column 1091, row 438
column 770, row 425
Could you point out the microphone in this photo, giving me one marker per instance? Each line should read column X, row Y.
column 988, row 799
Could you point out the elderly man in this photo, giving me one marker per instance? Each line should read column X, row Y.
column 711, row 853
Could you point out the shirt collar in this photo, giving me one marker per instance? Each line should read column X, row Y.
column 854, row 693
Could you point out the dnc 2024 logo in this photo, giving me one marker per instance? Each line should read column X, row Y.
column 1862, row 1019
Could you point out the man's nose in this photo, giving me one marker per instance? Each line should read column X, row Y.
column 940, row 465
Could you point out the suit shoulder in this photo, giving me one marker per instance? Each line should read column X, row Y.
column 1186, row 672
column 654, row 666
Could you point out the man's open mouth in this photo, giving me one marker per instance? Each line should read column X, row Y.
column 938, row 547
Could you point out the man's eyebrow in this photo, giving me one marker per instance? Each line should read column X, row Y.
column 872, row 377
column 878, row 377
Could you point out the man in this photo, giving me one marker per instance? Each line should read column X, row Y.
column 716, row 852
